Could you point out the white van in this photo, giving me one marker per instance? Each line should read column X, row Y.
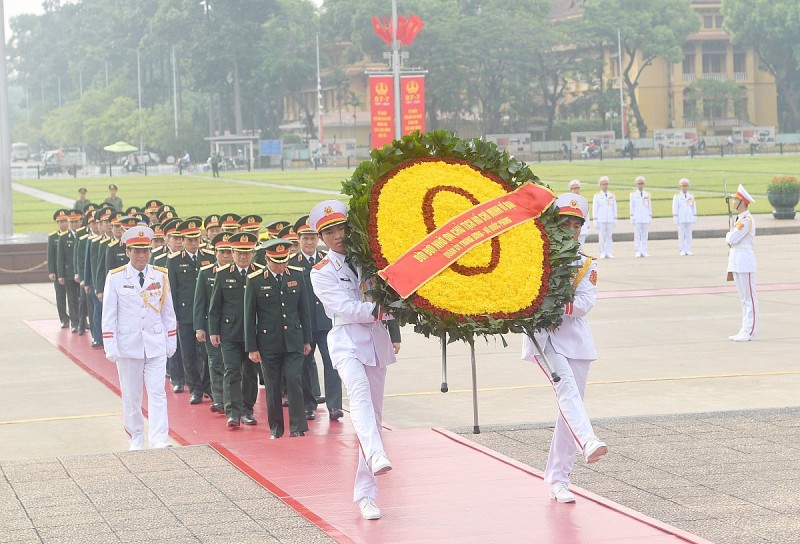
column 20, row 152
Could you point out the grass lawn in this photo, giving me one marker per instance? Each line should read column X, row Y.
column 247, row 192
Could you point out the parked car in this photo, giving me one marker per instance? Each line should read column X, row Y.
column 141, row 157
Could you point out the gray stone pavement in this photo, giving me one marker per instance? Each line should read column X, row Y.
column 703, row 432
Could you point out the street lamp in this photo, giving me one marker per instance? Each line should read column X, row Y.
column 139, row 87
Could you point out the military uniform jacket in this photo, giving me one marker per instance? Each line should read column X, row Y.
column 641, row 207
column 684, row 208
column 182, row 280
column 80, row 254
column 319, row 320
column 52, row 251
column 138, row 321
column 115, row 255
column 741, row 237
column 202, row 296
column 65, row 258
column 226, row 309
column 604, row 207
column 356, row 333
column 573, row 338
column 159, row 256
column 276, row 318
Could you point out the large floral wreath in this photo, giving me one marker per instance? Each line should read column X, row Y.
column 518, row 281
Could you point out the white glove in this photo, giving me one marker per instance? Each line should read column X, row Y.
column 113, row 357
column 170, row 353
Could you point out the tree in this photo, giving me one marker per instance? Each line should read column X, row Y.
column 716, row 97
column 649, row 29
column 772, row 28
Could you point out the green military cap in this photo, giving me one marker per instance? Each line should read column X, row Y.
column 166, row 208
column 170, row 227
column 278, row 250
column 301, row 226
column 89, row 207
column 243, row 241
column 250, row 223
column 128, row 221
column 133, row 210
column 211, row 221
column 74, row 215
column 222, row 241
column 91, row 216
column 142, row 217
column 152, row 206
column 190, row 227
column 115, row 217
column 288, row 233
column 275, row 227
column 158, row 231
column 61, row 215
column 229, row 221
column 104, row 213
column 162, row 217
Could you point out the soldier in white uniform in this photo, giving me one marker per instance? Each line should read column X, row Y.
column 641, row 208
column 574, row 187
column 139, row 333
column 570, row 350
column 360, row 347
column 684, row 214
column 742, row 264
column 604, row 212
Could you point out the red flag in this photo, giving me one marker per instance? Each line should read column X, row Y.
column 412, row 28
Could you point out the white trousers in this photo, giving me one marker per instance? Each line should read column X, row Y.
column 685, row 237
column 746, row 285
column 134, row 374
column 573, row 428
column 365, row 389
column 640, row 231
column 605, row 235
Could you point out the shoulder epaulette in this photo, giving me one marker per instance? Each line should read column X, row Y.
column 321, row 264
column 84, row 237
column 207, row 251
column 297, row 268
column 112, row 244
column 62, row 232
column 254, row 274
column 161, row 269
column 173, row 254
column 206, row 267
column 117, row 269
column 259, row 266
column 104, row 240
column 53, row 233
column 158, row 257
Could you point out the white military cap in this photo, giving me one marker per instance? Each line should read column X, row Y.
column 742, row 194
column 327, row 214
column 574, row 183
column 684, row 181
column 640, row 178
column 602, row 179
column 572, row 204
column 138, row 236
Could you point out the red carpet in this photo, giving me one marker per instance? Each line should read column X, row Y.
column 443, row 488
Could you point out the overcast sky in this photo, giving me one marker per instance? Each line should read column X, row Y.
column 16, row 7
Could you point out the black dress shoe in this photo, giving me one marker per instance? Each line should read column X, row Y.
column 248, row 419
column 233, row 423
column 320, row 400
column 96, row 344
column 74, row 330
column 335, row 415
column 310, row 414
column 64, row 324
column 177, row 389
column 81, row 331
column 295, row 434
column 217, row 408
column 196, row 398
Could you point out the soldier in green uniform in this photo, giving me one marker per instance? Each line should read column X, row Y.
column 202, row 298
column 61, row 217
column 321, row 324
column 212, row 227
column 85, row 268
column 182, row 267
column 173, row 244
column 151, row 209
column 272, row 230
column 159, row 256
column 65, row 266
column 226, row 329
column 229, row 222
column 79, row 262
column 112, row 199
column 96, row 278
column 278, row 334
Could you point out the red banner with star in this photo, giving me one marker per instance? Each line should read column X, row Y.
column 381, row 109
column 412, row 103
column 448, row 243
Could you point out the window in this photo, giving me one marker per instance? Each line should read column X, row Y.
column 708, row 21
column 739, row 61
column 689, row 105
column 714, row 57
column 715, row 109
column 718, row 20
column 688, row 63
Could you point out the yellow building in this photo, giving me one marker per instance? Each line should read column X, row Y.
column 662, row 94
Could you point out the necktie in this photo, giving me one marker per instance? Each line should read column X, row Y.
column 279, row 277
column 243, row 273
column 311, row 261
column 194, row 259
column 141, row 279
column 350, row 264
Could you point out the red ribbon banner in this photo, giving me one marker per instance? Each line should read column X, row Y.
column 448, row 243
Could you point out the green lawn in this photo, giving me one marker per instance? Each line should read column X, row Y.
column 202, row 195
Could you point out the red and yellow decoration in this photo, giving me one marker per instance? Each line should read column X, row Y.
column 463, row 235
